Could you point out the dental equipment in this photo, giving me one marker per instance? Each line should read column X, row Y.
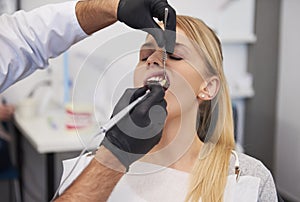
column 114, row 120
column 103, row 129
column 164, row 48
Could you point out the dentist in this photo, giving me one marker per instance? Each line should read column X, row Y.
column 29, row 39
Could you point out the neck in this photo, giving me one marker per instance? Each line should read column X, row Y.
column 179, row 146
column 187, row 161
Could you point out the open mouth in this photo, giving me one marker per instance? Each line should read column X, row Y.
column 158, row 79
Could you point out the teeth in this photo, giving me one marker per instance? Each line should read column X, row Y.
column 158, row 80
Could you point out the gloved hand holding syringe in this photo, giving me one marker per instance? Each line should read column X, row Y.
column 140, row 129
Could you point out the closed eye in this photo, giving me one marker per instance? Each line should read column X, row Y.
column 145, row 53
column 174, row 57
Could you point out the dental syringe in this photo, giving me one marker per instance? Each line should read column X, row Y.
column 115, row 119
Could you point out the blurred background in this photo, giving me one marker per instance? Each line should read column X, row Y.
column 260, row 45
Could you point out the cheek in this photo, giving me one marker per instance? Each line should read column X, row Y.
column 172, row 103
column 138, row 78
column 178, row 104
column 180, row 96
column 187, row 77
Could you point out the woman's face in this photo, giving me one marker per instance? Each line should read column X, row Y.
column 184, row 70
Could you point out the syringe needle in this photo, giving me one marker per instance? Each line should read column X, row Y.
column 164, row 48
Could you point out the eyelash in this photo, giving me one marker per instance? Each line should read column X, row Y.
column 174, row 57
column 148, row 54
column 171, row 56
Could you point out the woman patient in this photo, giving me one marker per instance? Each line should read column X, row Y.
column 194, row 159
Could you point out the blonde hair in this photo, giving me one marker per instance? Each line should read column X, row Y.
column 209, row 175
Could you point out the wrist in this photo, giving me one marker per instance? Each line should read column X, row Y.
column 106, row 158
column 113, row 8
column 107, row 7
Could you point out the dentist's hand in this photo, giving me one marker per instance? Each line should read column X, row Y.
column 139, row 131
column 6, row 112
column 139, row 14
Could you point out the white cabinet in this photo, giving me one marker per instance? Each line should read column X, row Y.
column 232, row 19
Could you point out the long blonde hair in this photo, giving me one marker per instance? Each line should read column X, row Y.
column 215, row 128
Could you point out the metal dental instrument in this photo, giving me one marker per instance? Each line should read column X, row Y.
column 164, row 58
column 115, row 119
column 165, row 83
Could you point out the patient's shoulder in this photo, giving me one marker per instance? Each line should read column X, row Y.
column 251, row 166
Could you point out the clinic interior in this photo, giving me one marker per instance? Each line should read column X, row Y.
column 259, row 40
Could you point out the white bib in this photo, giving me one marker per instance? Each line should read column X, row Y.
column 165, row 184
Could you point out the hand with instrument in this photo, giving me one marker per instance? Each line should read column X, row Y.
column 139, row 14
column 138, row 132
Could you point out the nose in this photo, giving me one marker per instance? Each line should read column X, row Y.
column 155, row 59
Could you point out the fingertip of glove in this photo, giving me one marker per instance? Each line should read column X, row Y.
column 170, row 39
column 157, row 90
column 139, row 92
column 157, row 33
column 155, row 87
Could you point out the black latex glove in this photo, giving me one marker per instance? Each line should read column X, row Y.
column 139, row 14
column 139, row 131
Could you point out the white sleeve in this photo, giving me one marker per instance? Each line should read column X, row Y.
column 70, row 173
column 29, row 39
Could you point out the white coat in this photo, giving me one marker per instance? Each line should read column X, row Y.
column 29, row 39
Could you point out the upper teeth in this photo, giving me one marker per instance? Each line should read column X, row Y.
column 156, row 78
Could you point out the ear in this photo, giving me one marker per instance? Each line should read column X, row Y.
column 209, row 89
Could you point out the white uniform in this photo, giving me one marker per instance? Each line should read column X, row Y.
column 29, row 39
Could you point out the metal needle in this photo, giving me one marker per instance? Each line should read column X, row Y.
column 164, row 48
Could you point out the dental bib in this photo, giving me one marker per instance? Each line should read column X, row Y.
column 163, row 184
